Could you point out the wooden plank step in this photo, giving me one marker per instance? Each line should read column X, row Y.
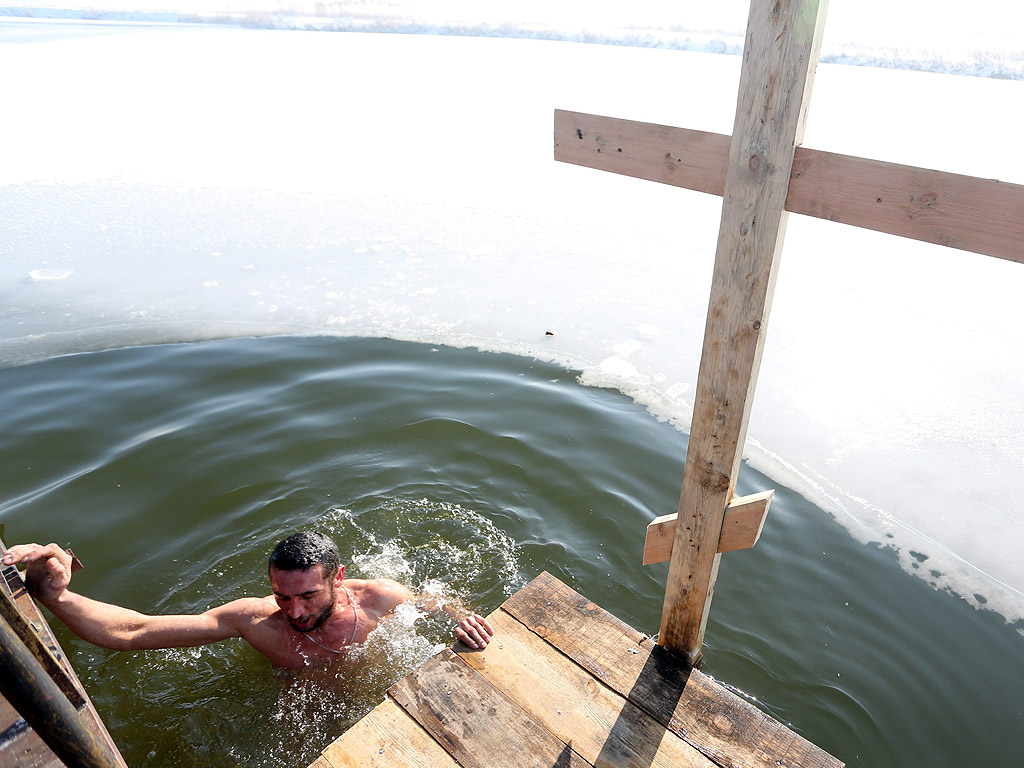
column 565, row 683
column 601, row 725
column 476, row 723
column 715, row 721
column 385, row 738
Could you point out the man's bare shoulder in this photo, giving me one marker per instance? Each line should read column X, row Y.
column 382, row 595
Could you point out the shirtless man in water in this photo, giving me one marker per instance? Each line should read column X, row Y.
column 314, row 613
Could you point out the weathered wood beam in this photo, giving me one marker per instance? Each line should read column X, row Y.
column 717, row 723
column 603, row 726
column 983, row 216
column 741, row 528
column 438, row 693
column 680, row 157
column 386, row 738
column 782, row 43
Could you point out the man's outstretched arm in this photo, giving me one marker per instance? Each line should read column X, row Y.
column 48, row 574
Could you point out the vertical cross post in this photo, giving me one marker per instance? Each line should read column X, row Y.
column 779, row 57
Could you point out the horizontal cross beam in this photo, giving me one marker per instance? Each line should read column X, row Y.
column 741, row 528
column 979, row 215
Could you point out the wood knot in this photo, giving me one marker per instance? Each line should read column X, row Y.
column 754, row 164
column 722, row 723
column 723, row 482
column 541, row 630
column 591, row 606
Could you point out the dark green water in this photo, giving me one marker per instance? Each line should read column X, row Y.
column 173, row 470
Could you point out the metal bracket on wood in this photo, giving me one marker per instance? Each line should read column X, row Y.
column 28, row 634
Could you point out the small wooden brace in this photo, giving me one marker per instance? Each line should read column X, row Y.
column 744, row 520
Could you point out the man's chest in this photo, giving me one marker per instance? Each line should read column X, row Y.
column 286, row 647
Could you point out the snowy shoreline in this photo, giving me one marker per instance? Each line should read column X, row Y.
column 907, row 47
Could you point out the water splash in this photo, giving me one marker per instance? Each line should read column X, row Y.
column 438, row 547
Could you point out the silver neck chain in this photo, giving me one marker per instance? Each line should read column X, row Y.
column 355, row 626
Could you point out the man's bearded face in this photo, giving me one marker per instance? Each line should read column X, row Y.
column 306, row 598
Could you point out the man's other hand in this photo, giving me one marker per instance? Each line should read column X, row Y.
column 48, row 571
column 474, row 631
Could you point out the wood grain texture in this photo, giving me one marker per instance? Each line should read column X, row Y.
column 979, row 215
column 983, row 216
column 741, row 528
column 678, row 156
column 722, row 726
column 602, row 725
column 783, row 37
column 475, row 722
column 564, row 682
column 386, row 737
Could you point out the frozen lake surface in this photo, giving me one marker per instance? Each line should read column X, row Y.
column 185, row 183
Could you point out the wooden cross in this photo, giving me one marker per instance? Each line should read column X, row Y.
column 762, row 173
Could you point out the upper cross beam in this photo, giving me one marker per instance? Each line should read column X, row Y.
column 983, row 216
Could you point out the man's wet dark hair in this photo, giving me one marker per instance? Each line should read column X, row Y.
column 305, row 549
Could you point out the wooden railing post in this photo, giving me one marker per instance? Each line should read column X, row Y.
column 780, row 54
